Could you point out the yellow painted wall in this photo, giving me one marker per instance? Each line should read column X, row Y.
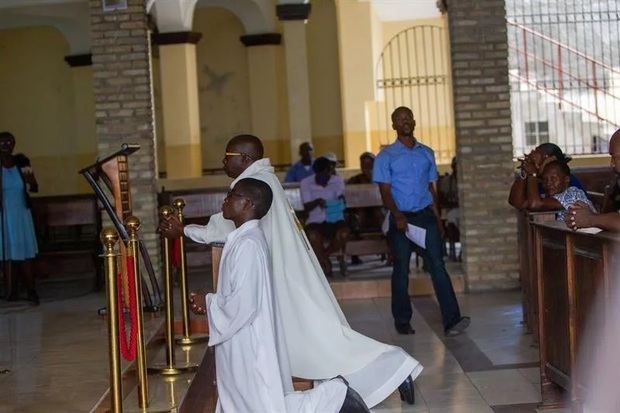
column 323, row 73
column 356, row 58
column 48, row 106
column 222, row 82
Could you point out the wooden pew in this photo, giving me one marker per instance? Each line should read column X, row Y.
column 594, row 178
column 67, row 228
column 572, row 268
column 527, row 266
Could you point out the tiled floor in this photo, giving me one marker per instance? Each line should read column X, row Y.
column 57, row 356
column 492, row 368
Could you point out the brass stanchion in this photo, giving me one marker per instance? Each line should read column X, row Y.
column 109, row 237
column 187, row 338
column 170, row 368
column 133, row 225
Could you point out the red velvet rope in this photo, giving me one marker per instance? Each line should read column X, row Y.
column 128, row 347
column 175, row 254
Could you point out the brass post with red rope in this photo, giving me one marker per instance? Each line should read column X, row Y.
column 109, row 238
column 132, row 224
column 187, row 338
column 170, row 368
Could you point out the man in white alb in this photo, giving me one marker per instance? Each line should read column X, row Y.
column 252, row 371
column 318, row 338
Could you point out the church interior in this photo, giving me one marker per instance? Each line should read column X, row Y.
column 123, row 110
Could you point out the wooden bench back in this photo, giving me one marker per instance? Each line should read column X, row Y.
column 594, row 178
column 202, row 203
column 65, row 210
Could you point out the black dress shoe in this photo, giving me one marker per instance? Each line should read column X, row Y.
column 353, row 402
column 458, row 327
column 404, row 328
column 355, row 260
column 406, row 391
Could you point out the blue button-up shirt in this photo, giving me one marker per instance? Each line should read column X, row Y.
column 298, row 171
column 409, row 171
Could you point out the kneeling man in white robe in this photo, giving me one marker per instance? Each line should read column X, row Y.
column 251, row 362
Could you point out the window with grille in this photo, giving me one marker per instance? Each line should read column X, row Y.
column 536, row 133
column 599, row 144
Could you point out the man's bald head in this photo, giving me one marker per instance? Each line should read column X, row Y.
column 247, row 144
column 241, row 152
column 614, row 143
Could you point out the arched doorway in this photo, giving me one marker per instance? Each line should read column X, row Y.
column 414, row 70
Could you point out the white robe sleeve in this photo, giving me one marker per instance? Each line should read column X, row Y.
column 235, row 307
column 216, row 230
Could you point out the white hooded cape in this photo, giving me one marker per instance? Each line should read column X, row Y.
column 317, row 336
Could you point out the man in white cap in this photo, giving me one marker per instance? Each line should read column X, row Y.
column 333, row 159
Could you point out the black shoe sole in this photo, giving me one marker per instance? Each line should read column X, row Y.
column 406, row 391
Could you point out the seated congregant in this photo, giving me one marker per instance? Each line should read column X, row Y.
column 302, row 168
column 538, row 158
column 367, row 219
column 333, row 161
column 558, row 193
column 367, row 161
column 323, row 198
column 448, row 194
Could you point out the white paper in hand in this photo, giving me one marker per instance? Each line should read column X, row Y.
column 417, row 235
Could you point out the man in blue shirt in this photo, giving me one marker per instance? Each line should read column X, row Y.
column 406, row 172
column 303, row 168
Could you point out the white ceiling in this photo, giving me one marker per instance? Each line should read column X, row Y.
column 395, row 10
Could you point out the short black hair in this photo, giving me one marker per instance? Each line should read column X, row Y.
column 258, row 192
column 561, row 166
column 551, row 149
column 249, row 144
column 367, row 155
column 7, row 135
column 400, row 109
column 321, row 164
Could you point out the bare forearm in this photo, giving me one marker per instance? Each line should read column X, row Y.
column 517, row 197
column 388, row 200
column 435, row 204
column 607, row 222
column 309, row 206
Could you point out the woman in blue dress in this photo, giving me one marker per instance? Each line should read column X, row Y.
column 18, row 244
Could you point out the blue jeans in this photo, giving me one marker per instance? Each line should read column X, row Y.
column 433, row 258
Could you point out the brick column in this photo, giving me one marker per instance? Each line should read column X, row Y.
column 479, row 55
column 124, row 105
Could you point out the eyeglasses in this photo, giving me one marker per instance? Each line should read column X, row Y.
column 238, row 154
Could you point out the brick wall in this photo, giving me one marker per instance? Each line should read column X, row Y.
column 123, row 104
column 479, row 55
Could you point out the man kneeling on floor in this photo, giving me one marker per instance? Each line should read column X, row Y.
column 251, row 359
